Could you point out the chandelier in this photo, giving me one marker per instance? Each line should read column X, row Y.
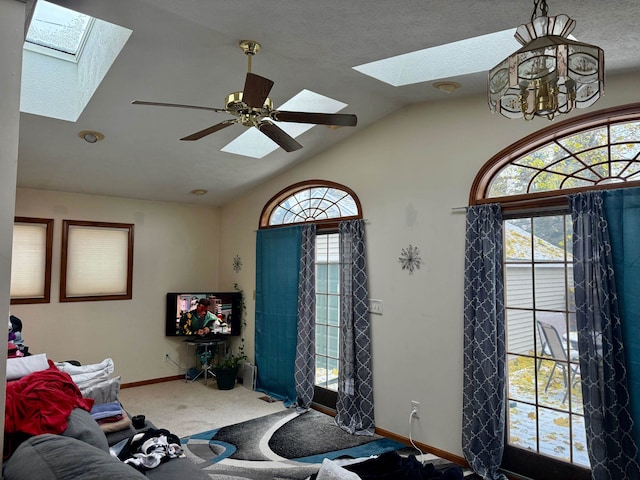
column 551, row 74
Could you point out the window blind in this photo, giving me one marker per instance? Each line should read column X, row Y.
column 28, row 260
column 96, row 261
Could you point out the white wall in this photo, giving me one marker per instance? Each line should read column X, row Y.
column 409, row 170
column 11, row 34
column 175, row 248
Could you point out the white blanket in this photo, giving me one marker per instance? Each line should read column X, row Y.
column 85, row 373
column 20, row 366
column 330, row 470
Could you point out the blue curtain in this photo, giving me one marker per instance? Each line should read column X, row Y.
column 277, row 269
column 355, row 377
column 483, row 402
column 622, row 210
column 305, row 373
column 608, row 422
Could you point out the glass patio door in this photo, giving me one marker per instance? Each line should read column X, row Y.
column 545, row 417
column 327, row 319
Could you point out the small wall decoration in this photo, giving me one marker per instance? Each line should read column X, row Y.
column 237, row 263
column 410, row 259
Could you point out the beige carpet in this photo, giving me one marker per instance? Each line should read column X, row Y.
column 186, row 408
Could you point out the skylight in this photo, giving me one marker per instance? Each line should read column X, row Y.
column 58, row 28
column 253, row 143
column 65, row 57
column 472, row 55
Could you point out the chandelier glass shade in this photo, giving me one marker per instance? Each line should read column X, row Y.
column 551, row 74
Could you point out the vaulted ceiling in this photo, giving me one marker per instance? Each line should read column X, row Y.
column 187, row 52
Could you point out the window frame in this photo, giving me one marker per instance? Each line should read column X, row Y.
column 515, row 459
column 322, row 225
column 519, row 460
column 323, row 398
column 555, row 198
column 46, row 298
column 66, row 226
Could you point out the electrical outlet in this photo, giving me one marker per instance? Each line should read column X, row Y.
column 415, row 409
column 375, row 306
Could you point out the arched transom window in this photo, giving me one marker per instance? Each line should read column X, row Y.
column 596, row 151
column 316, row 201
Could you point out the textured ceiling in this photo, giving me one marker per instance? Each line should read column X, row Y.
column 187, row 52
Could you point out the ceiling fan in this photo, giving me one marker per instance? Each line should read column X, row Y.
column 253, row 108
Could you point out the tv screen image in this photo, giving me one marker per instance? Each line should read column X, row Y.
column 226, row 306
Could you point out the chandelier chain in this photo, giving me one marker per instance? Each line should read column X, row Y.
column 542, row 4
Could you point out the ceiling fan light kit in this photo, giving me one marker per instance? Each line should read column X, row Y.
column 550, row 75
column 252, row 107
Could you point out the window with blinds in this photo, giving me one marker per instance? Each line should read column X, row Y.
column 31, row 260
column 97, row 261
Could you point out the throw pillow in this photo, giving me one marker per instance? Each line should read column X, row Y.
column 82, row 426
column 22, row 366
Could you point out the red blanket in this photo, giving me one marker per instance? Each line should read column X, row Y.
column 41, row 403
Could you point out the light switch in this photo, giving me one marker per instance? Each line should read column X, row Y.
column 375, row 306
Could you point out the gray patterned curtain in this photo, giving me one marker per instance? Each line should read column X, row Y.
column 483, row 414
column 305, row 368
column 355, row 379
column 608, row 422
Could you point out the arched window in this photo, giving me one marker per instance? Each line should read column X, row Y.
column 531, row 179
column 325, row 204
column 593, row 151
column 319, row 201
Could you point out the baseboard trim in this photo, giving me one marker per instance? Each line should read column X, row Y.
column 323, row 409
column 423, row 447
column 152, row 381
column 399, row 438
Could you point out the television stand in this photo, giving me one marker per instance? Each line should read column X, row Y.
column 209, row 349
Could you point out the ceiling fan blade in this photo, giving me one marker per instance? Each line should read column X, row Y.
column 340, row 119
column 197, row 107
column 256, row 90
column 208, row 131
column 282, row 138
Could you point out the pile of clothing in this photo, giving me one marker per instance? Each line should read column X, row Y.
column 147, row 450
column 388, row 466
column 16, row 347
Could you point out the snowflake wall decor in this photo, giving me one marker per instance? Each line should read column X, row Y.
column 237, row 263
column 410, row 259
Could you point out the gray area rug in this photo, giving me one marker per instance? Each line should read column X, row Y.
column 281, row 446
column 284, row 445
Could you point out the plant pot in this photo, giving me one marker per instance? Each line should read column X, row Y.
column 226, row 377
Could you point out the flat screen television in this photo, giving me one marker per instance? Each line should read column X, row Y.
column 227, row 306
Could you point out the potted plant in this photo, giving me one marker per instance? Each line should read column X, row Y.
column 226, row 369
